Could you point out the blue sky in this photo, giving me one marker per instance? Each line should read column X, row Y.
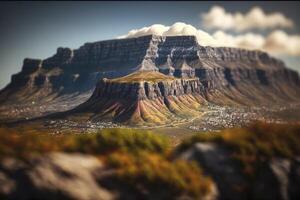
column 36, row 29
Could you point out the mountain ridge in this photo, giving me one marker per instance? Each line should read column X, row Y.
column 228, row 72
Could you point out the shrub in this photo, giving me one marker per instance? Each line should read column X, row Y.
column 15, row 143
column 18, row 144
column 255, row 144
column 138, row 157
column 131, row 140
column 152, row 172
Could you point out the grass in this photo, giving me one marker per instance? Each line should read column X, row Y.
column 149, row 76
column 254, row 144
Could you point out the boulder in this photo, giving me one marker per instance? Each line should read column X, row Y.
column 53, row 176
column 277, row 178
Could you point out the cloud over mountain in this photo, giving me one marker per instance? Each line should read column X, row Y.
column 256, row 18
column 178, row 28
column 281, row 43
column 277, row 42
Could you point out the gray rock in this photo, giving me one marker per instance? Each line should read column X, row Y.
column 217, row 164
column 53, row 176
column 246, row 75
column 273, row 180
column 178, row 55
column 147, row 90
column 278, row 178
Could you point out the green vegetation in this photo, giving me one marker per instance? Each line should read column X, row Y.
column 130, row 140
column 102, row 142
column 140, row 158
column 149, row 76
column 154, row 172
column 142, row 161
column 254, row 145
column 16, row 143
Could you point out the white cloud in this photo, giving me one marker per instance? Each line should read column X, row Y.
column 248, row 40
column 256, row 18
column 156, row 29
column 277, row 42
column 280, row 42
column 178, row 28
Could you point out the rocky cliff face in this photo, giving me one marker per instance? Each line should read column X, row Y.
column 74, row 72
column 147, row 90
column 143, row 102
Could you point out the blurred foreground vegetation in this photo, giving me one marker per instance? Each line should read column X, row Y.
column 254, row 145
column 140, row 158
column 144, row 159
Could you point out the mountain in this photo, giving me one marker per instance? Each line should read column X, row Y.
column 143, row 98
column 230, row 76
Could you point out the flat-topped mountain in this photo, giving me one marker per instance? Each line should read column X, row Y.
column 140, row 76
column 230, row 75
column 142, row 98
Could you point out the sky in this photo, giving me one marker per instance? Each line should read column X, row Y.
column 37, row 29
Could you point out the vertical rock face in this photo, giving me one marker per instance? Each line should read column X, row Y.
column 144, row 98
column 74, row 72
column 147, row 90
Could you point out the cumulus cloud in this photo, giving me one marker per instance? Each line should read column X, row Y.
column 280, row 42
column 277, row 42
column 256, row 18
column 176, row 29
column 156, row 29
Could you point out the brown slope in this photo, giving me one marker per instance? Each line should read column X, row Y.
column 133, row 100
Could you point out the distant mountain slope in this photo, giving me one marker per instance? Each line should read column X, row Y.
column 229, row 75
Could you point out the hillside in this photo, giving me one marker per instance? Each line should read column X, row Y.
column 231, row 76
column 141, row 99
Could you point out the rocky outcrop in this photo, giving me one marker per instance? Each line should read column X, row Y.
column 76, row 176
column 277, row 178
column 52, row 177
column 216, row 161
column 157, row 99
column 144, row 90
column 180, row 55
column 238, row 73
